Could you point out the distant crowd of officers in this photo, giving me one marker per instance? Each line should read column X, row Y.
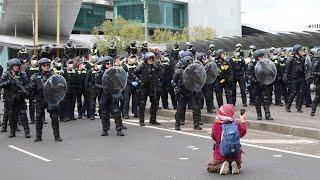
column 150, row 73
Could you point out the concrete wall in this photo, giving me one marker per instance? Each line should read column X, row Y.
column 224, row 16
column 15, row 10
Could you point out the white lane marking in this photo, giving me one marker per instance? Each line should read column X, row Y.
column 244, row 144
column 277, row 155
column 29, row 153
column 279, row 141
column 194, row 149
column 190, row 147
column 167, row 136
column 184, row 158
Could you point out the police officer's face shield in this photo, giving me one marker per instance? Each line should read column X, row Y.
column 190, row 46
column 176, row 46
column 301, row 52
column 45, row 67
column 151, row 60
column 69, row 43
column 238, row 48
column 108, row 64
column 131, row 60
column 16, row 68
column 58, row 64
column 23, row 49
column 212, row 49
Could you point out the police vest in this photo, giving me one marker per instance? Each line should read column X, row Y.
column 56, row 71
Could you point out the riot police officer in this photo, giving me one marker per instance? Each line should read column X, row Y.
column 144, row 48
column 94, row 91
column 112, row 50
column 185, row 96
column 316, row 76
column 130, row 66
column 23, row 54
column 82, row 95
column 69, row 51
column 212, row 51
column 248, row 82
column 175, row 52
column 295, row 74
column 71, row 77
column 239, row 49
column 46, row 52
column 32, row 69
column 283, row 62
column 148, row 75
column 37, row 84
column 190, row 48
column 16, row 85
column 166, row 74
column 260, row 91
column 278, row 83
column 132, row 48
column 207, row 89
column 238, row 66
column 94, row 51
column 109, row 103
column 224, row 79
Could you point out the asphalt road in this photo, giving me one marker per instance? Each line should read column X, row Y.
column 148, row 153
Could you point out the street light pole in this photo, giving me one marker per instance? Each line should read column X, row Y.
column 58, row 24
column 145, row 8
column 36, row 32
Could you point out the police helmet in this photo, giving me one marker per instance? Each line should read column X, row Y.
column 14, row 62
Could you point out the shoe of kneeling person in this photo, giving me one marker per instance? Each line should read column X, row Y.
column 224, row 170
column 234, row 168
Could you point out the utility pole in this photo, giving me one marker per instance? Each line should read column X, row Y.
column 145, row 8
column 36, row 26
column 58, row 25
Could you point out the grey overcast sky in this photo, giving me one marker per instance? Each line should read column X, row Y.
column 281, row 15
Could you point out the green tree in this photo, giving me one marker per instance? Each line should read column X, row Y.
column 121, row 32
column 200, row 33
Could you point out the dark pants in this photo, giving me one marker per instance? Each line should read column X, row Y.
column 94, row 95
column 40, row 113
column 82, row 105
column 297, row 88
column 183, row 101
column 242, row 84
column 144, row 93
column 227, row 87
column 17, row 112
column 262, row 97
column 207, row 91
column 168, row 89
column 32, row 109
column 278, row 88
column 110, row 105
column 71, row 103
column 130, row 91
column 316, row 100
column 5, row 116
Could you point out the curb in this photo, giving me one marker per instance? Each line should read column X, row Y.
column 300, row 131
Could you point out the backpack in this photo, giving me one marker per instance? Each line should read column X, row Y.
column 230, row 140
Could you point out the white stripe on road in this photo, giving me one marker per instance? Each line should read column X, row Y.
column 245, row 144
column 29, row 153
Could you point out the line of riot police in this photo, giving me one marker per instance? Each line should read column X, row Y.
column 189, row 77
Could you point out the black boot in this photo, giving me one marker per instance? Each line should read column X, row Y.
column 259, row 113
column 288, row 109
column 154, row 122
column 12, row 134
column 120, row 133
column 57, row 138
column 267, row 112
column 312, row 113
column 38, row 138
column 27, row 134
column 105, row 126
